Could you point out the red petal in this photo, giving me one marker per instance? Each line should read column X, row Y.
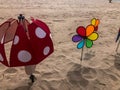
column 81, row 31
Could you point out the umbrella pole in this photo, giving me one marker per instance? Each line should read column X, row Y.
column 118, row 46
column 110, row 1
column 32, row 78
column 28, row 69
column 82, row 54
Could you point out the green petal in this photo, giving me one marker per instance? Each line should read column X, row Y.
column 89, row 43
column 93, row 36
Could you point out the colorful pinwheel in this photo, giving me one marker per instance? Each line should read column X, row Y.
column 85, row 36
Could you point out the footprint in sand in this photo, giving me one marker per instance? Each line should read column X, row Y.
column 119, row 89
column 89, row 55
column 1, row 77
column 79, row 75
column 61, row 57
column 11, row 71
column 75, row 77
column 2, row 68
column 89, row 73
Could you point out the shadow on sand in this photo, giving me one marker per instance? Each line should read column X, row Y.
column 117, row 61
column 25, row 87
column 80, row 75
column 89, row 55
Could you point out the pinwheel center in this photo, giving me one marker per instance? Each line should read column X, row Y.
column 84, row 37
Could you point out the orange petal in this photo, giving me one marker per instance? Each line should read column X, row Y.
column 89, row 30
column 97, row 22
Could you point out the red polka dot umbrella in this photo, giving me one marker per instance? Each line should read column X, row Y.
column 31, row 42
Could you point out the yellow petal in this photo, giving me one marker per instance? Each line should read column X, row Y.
column 93, row 36
column 93, row 21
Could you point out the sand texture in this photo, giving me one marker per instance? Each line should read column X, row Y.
column 63, row 70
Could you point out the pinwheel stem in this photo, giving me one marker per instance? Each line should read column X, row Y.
column 118, row 46
column 81, row 54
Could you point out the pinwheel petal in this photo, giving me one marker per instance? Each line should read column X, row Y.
column 89, row 30
column 93, row 21
column 81, row 44
column 76, row 38
column 93, row 36
column 89, row 43
column 81, row 31
column 96, row 28
column 97, row 22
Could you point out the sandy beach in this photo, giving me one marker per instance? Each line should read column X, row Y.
column 63, row 70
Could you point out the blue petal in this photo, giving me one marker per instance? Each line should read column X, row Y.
column 81, row 44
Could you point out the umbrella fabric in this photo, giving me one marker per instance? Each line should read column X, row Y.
column 40, row 40
column 31, row 42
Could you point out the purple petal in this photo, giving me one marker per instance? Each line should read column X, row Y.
column 76, row 38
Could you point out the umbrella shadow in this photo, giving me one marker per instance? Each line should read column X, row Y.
column 25, row 87
column 117, row 61
column 81, row 76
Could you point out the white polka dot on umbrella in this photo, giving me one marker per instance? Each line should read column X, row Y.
column 1, row 57
column 16, row 40
column 40, row 33
column 46, row 50
column 24, row 56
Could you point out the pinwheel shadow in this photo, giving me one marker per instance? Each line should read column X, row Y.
column 80, row 76
column 89, row 55
column 117, row 61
